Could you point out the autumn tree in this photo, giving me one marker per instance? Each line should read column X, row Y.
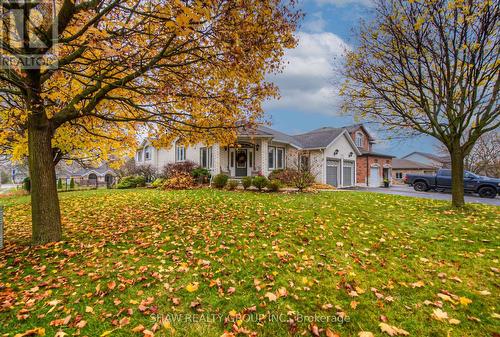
column 430, row 66
column 80, row 78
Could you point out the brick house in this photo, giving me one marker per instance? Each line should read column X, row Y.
column 372, row 168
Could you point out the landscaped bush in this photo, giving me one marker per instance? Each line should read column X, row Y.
column 232, row 184
column 274, row 185
column 302, row 179
column 131, row 182
column 59, row 184
column 180, row 181
column 158, row 183
column 220, row 180
column 260, row 182
column 284, row 176
column 27, row 184
column 246, row 182
column 173, row 169
column 201, row 174
column 140, row 181
column 72, row 184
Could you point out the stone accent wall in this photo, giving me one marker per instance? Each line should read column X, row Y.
column 263, row 158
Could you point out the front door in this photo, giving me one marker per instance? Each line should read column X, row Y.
column 374, row 179
column 241, row 162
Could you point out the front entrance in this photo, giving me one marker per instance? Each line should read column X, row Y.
column 241, row 163
column 374, row 179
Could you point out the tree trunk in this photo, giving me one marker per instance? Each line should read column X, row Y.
column 46, row 217
column 457, row 176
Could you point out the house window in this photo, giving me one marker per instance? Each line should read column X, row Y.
column 360, row 139
column 280, row 160
column 180, row 153
column 139, row 155
column 250, row 158
column 276, row 157
column 232, row 159
column 271, row 156
column 147, row 153
column 304, row 162
column 206, row 157
column 399, row 175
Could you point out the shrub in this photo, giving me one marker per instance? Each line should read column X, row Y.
column 201, row 174
column 131, row 182
column 180, row 181
column 302, row 179
column 274, row 185
column 232, row 184
column 173, row 169
column 259, row 182
column 27, row 184
column 72, row 184
column 246, row 182
column 220, row 180
column 59, row 184
column 158, row 182
column 284, row 176
column 140, row 181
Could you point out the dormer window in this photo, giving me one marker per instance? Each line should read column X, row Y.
column 360, row 139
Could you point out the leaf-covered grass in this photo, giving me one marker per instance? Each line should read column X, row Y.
column 204, row 262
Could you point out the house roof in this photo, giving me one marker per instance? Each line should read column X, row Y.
column 319, row 138
column 376, row 154
column 441, row 159
column 409, row 164
column 356, row 127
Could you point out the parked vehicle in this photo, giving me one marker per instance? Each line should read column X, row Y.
column 484, row 186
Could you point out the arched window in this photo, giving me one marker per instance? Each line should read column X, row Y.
column 147, row 153
column 360, row 139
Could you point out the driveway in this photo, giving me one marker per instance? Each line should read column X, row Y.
column 410, row 192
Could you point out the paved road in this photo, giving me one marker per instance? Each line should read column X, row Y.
column 410, row 192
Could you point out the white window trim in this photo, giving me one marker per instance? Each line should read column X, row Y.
column 180, row 153
column 209, row 157
column 275, row 158
column 147, row 154
column 359, row 139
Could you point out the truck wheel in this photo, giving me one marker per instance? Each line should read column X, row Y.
column 420, row 186
column 487, row 192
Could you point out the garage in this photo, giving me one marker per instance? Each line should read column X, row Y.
column 348, row 173
column 374, row 178
column 332, row 172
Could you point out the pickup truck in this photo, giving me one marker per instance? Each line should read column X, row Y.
column 484, row 186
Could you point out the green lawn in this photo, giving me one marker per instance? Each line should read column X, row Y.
column 199, row 263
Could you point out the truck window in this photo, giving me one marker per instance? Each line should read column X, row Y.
column 445, row 173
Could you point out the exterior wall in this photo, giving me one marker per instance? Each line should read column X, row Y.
column 364, row 165
column 346, row 152
column 397, row 181
column 366, row 142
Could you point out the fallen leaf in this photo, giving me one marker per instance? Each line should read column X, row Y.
column 365, row 334
column 439, row 314
column 392, row 330
column 192, row 287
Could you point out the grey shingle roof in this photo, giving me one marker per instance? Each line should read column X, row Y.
column 318, row 138
column 443, row 159
column 409, row 164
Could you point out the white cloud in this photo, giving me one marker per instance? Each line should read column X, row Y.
column 308, row 82
column 315, row 24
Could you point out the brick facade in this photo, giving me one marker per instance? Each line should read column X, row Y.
column 368, row 160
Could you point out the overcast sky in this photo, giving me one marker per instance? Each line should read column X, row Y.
column 309, row 84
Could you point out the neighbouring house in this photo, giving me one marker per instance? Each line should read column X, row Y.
column 372, row 167
column 330, row 153
column 436, row 161
column 98, row 175
column 402, row 167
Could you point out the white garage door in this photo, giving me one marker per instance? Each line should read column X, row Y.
column 374, row 180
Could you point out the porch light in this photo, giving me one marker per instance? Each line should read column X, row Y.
column 351, row 154
column 336, row 152
column 257, row 147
